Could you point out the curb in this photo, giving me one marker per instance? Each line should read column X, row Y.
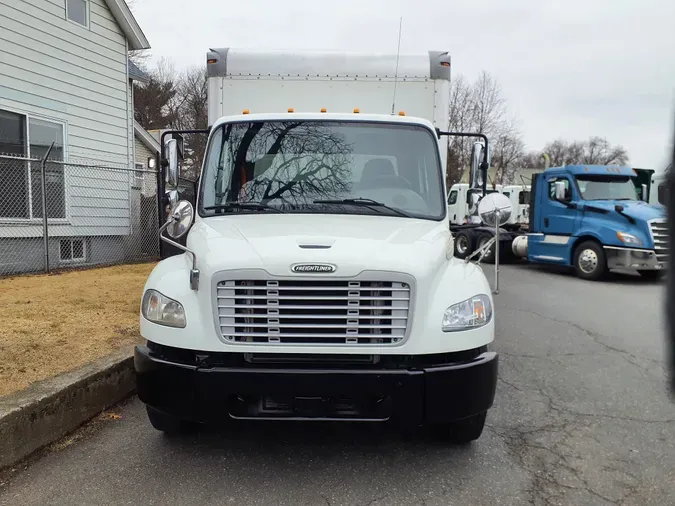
column 51, row 408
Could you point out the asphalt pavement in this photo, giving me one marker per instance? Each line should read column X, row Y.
column 582, row 416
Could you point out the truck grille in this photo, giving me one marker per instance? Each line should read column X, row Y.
column 659, row 230
column 313, row 312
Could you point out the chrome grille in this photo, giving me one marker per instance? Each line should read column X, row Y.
column 313, row 312
column 659, row 230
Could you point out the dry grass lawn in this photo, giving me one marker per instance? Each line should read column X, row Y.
column 56, row 323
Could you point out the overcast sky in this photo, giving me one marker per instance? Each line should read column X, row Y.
column 569, row 70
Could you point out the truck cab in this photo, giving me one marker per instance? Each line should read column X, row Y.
column 458, row 202
column 590, row 217
column 519, row 195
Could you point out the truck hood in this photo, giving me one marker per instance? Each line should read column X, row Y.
column 352, row 243
column 639, row 210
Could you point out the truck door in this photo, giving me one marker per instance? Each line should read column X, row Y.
column 557, row 217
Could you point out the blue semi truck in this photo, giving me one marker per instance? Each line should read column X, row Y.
column 588, row 217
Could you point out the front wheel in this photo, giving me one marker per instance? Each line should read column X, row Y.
column 464, row 244
column 461, row 431
column 590, row 261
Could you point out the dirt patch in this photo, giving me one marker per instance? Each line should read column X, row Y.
column 50, row 324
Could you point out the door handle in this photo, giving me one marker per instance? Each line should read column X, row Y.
column 546, row 222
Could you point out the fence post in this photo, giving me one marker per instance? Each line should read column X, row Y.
column 45, row 226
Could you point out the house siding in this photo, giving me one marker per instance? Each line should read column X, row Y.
column 143, row 153
column 55, row 69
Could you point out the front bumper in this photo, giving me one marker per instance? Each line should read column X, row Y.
column 632, row 258
column 370, row 392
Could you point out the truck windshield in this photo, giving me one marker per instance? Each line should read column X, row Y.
column 296, row 166
column 606, row 187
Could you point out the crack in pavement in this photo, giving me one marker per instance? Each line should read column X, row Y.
column 627, row 356
column 565, row 410
column 554, row 474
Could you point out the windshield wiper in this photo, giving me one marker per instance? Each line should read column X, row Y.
column 259, row 206
column 370, row 203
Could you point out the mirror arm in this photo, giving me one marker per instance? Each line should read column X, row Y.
column 194, row 272
column 483, row 166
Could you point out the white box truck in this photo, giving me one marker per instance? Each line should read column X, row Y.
column 318, row 280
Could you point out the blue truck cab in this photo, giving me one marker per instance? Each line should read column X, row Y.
column 590, row 217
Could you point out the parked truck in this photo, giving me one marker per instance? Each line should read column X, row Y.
column 589, row 217
column 318, row 280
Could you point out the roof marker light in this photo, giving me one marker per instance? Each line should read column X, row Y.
column 290, row 109
column 356, row 110
column 323, row 109
column 245, row 111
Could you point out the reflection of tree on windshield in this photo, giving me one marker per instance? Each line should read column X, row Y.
column 284, row 161
column 606, row 188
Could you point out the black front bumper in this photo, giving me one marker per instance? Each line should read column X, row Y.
column 206, row 392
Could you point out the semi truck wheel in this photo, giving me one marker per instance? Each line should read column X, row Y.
column 464, row 241
column 166, row 423
column 489, row 257
column 462, row 431
column 590, row 261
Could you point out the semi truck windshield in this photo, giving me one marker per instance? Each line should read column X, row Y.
column 606, row 188
column 290, row 165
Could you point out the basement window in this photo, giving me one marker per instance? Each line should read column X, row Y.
column 72, row 250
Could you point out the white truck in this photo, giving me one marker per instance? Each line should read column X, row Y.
column 318, row 280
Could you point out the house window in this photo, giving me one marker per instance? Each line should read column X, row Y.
column 76, row 11
column 72, row 250
column 21, row 189
column 138, row 176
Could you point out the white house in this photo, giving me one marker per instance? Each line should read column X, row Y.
column 65, row 77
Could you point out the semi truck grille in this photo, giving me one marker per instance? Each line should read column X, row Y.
column 313, row 312
column 659, row 230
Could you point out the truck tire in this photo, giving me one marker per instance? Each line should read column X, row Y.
column 462, row 431
column 489, row 257
column 166, row 423
column 651, row 275
column 590, row 261
column 464, row 243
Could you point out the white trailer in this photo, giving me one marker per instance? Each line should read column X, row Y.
column 318, row 280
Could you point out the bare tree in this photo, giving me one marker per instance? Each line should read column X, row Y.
column 480, row 107
column 596, row 150
column 488, row 105
column 461, row 120
column 509, row 149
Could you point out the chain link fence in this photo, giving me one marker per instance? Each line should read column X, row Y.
column 96, row 214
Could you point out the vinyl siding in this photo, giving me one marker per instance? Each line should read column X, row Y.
column 53, row 68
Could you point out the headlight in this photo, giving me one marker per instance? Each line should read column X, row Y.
column 469, row 314
column 628, row 239
column 160, row 309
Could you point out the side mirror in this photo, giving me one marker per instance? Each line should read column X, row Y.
column 645, row 197
column 476, row 175
column 172, row 171
column 560, row 190
column 172, row 197
column 180, row 218
column 495, row 209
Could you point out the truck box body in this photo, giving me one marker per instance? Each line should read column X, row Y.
column 306, row 81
